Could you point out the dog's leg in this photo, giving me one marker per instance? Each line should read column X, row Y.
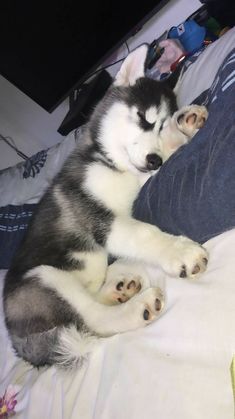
column 102, row 319
column 93, row 274
column 123, row 280
column 177, row 255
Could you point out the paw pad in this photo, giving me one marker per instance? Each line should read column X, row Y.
column 126, row 288
column 198, row 267
column 146, row 314
column 158, row 304
column 154, row 308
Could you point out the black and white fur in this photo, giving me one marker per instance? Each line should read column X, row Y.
column 56, row 299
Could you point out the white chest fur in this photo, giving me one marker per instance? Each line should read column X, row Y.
column 116, row 190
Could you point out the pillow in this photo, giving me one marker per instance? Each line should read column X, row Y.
column 27, row 181
column 21, row 187
column 194, row 192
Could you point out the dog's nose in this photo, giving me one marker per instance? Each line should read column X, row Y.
column 153, row 161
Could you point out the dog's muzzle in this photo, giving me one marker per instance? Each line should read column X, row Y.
column 153, row 161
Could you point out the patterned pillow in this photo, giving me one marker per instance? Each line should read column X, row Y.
column 21, row 187
column 27, row 181
column 14, row 220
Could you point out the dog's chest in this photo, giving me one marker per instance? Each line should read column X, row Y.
column 117, row 191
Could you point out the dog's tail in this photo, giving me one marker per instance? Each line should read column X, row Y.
column 66, row 347
column 73, row 347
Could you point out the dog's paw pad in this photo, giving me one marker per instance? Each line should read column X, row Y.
column 196, row 120
column 153, row 299
column 197, row 269
column 195, row 263
column 183, row 272
column 125, row 288
column 185, row 258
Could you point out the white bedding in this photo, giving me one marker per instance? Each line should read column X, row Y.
column 200, row 76
column 178, row 367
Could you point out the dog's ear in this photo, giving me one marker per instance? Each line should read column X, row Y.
column 133, row 67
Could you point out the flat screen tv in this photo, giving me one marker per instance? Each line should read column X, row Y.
column 48, row 48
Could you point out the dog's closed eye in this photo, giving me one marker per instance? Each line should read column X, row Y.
column 162, row 124
column 144, row 123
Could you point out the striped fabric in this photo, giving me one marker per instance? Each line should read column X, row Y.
column 14, row 220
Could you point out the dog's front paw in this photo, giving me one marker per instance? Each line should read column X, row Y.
column 146, row 307
column 191, row 118
column 184, row 258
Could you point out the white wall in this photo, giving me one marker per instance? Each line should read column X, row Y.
column 32, row 128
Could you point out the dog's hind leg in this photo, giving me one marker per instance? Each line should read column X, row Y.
column 102, row 319
column 93, row 274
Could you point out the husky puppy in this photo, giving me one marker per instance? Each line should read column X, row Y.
column 55, row 300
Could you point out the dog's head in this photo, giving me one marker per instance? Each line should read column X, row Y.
column 131, row 116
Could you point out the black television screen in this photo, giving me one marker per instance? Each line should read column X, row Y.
column 49, row 47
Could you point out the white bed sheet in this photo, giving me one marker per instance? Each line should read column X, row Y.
column 200, row 75
column 178, row 367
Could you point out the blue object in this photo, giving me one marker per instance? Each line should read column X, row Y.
column 14, row 220
column 190, row 34
column 194, row 192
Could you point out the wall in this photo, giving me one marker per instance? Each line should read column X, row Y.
column 32, row 128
